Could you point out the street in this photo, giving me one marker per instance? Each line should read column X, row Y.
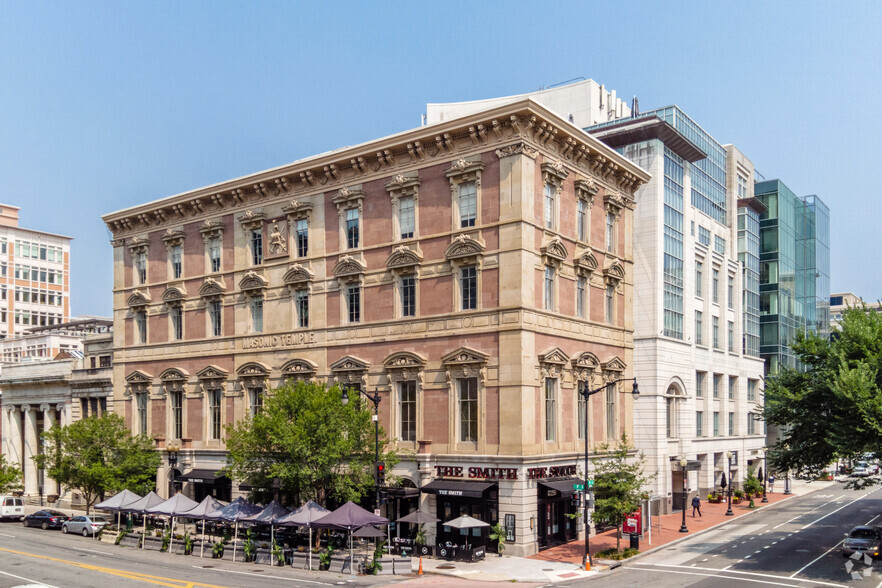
column 31, row 555
column 795, row 544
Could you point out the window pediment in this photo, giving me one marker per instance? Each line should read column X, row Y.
column 139, row 377
column 586, row 264
column 299, row 369
column 554, row 172
column 586, row 190
column 174, row 295
column 211, row 228
column 349, row 266
column 555, row 249
column 584, row 366
column 297, row 209
column 465, row 170
column 212, row 372
column 212, row 287
column 465, row 363
column 298, row 275
column 614, row 272
column 405, row 366
column 402, row 185
column 253, row 369
column 174, row 379
column 615, row 365
column 253, row 283
column 552, row 362
column 138, row 299
column 173, row 237
column 403, row 257
column 347, row 197
column 464, row 246
column 251, row 220
column 349, row 364
column 615, row 203
column 138, row 245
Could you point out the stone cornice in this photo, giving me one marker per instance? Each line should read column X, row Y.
column 524, row 122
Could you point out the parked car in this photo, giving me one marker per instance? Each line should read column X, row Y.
column 85, row 525
column 45, row 519
column 864, row 540
column 860, row 470
column 11, row 507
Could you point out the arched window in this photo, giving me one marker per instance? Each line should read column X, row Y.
column 673, row 403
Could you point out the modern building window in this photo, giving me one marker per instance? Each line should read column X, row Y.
column 301, row 308
column 550, row 409
column 256, row 246
column 700, row 379
column 140, row 267
column 703, row 236
column 214, row 254
column 468, row 204
column 214, row 413
column 581, row 291
column 731, row 333
column 582, row 409
column 177, row 322
column 718, row 383
column 215, row 314
column 468, row 409
column 716, row 424
column 582, row 220
column 141, row 325
column 733, row 384
column 353, row 303
column 408, row 295
column 177, row 414
column 751, row 390
column 751, row 424
column 699, row 277
column 549, row 288
column 731, row 293
column 256, row 314
column 406, row 216
column 699, row 328
column 719, row 245
column 255, row 400
column 352, row 228
column 407, row 410
column 611, row 412
column 699, row 423
column 302, row 237
column 731, row 424
column 610, row 304
column 716, row 323
column 715, row 286
column 468, row 279
column 611, row 232
column 177, row 263
column 550, row 193
column 141, row 398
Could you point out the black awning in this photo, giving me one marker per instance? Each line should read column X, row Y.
column 403, row 492
column 565, row 487
column 457, row 488
column 201, row 476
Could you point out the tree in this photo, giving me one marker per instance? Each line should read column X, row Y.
column 307, row 444
column 10, row 476
column 618, row 484
column 832, row 408
column 97, row 455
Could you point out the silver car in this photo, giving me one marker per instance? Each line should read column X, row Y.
column 86, row 526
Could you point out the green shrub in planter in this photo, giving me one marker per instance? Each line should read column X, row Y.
column 217, row 550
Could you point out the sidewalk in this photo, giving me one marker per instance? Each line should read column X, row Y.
column 565, row 562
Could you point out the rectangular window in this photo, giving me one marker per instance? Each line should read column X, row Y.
column 214, row 254
column 257, row 247
column 352, row 228
column 140, row 267
column 716, row 323
column 214, row 411
column 582, row 409
column 407, row 410
column 469, row 287
column 177, row 322
column 611, row 412
column 731, row 334
column 751, row 424
column 731, row 293
column 408, row 296
column 255, row 399
column 301, row 302
column 550, row 409
column 715, row 286
column 549, row 288
column 699, row 328
column 302, row 236
column 703, row 236
column 716, row 424
column 468, row 204
column 581, row 284
column 549, row 206
column 610, row 303
column 718, row 383
column 731, row 424
column 214, row 313
column 699, row 424
column 257, row 315
column 733, row 384
column 406, row 217
column 699, row 276
column 141, row 325
column 700, row 378
column 719, row 245
column 751, row 390
column 177, row 256
column 611, row 232
column 582, row 220
column 468, row 409
column 353, row 303
column 141, row 398
column 177, row 410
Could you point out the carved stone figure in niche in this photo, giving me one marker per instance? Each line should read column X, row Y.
column 277, row 241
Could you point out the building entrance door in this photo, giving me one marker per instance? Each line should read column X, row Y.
column 677, row 490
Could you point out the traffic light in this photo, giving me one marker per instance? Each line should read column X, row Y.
column 384, row 496
column 381, row 474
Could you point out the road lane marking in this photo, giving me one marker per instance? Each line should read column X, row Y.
column 871, row 520
column 756, row 574
column 739, row 579
column 835, row 511
column 93, row 551
column 816, row 559
column 261, row 576
column 27, row 579
column 5, row 535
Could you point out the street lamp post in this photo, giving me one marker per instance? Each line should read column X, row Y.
column 765, row 476
column 787, row 483
column 729, row 512
column 586, row 394
column 375, row 399
column 683, row 463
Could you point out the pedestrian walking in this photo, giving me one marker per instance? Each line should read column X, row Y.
column 696, row 506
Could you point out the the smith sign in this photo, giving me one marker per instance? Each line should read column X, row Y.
column 476, row 473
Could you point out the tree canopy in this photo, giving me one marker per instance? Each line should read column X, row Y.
column 832, row 408
column 10, row 476
column 308, row 445
column 99, row 454
column 618, row 483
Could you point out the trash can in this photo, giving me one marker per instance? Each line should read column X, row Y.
column 635, row 540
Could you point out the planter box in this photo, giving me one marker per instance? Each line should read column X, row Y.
column 402, row 566
column 178, row 548
column 471, row 555
column 228, row 553
column 387, row 563
column 108, row 537
column 299, row 560
column 152, row 543
column 343, row 565
column 130, row 541
column 265, row 557
column 424, row 550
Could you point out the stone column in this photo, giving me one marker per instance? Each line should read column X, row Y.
column 13, row 436
column 49, row 485
column 31, row 449
column 61, row 410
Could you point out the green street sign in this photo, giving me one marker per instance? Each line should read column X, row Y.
column 590, row 483
column 578, row 486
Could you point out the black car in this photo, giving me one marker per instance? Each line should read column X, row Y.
column 45, row 519
column 864, row 540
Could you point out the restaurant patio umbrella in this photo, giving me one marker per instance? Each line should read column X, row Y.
column 233, row 513
column 208, row 505
column 116, row 502
column 466, row 522
column 418, row 517
column 349, row 517
column 141, row 506
column 368, row 532
column 270, row 515
column 174, row 506
column 304, row 517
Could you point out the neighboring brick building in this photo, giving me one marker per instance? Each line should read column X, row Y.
column 474, row 272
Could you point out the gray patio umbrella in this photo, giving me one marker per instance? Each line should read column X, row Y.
column 303, row 517
column 349, row 517
column 271, row 514
column 208, row 505
column 116, row 502
column 174, row 506
column 466, row 522
column 233, row 513
column 418, row 517
column 141, row 506
column 369, row 531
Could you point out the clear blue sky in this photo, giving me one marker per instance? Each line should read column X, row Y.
column 104, row 105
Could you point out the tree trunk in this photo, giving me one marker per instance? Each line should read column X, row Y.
column 619, row 538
